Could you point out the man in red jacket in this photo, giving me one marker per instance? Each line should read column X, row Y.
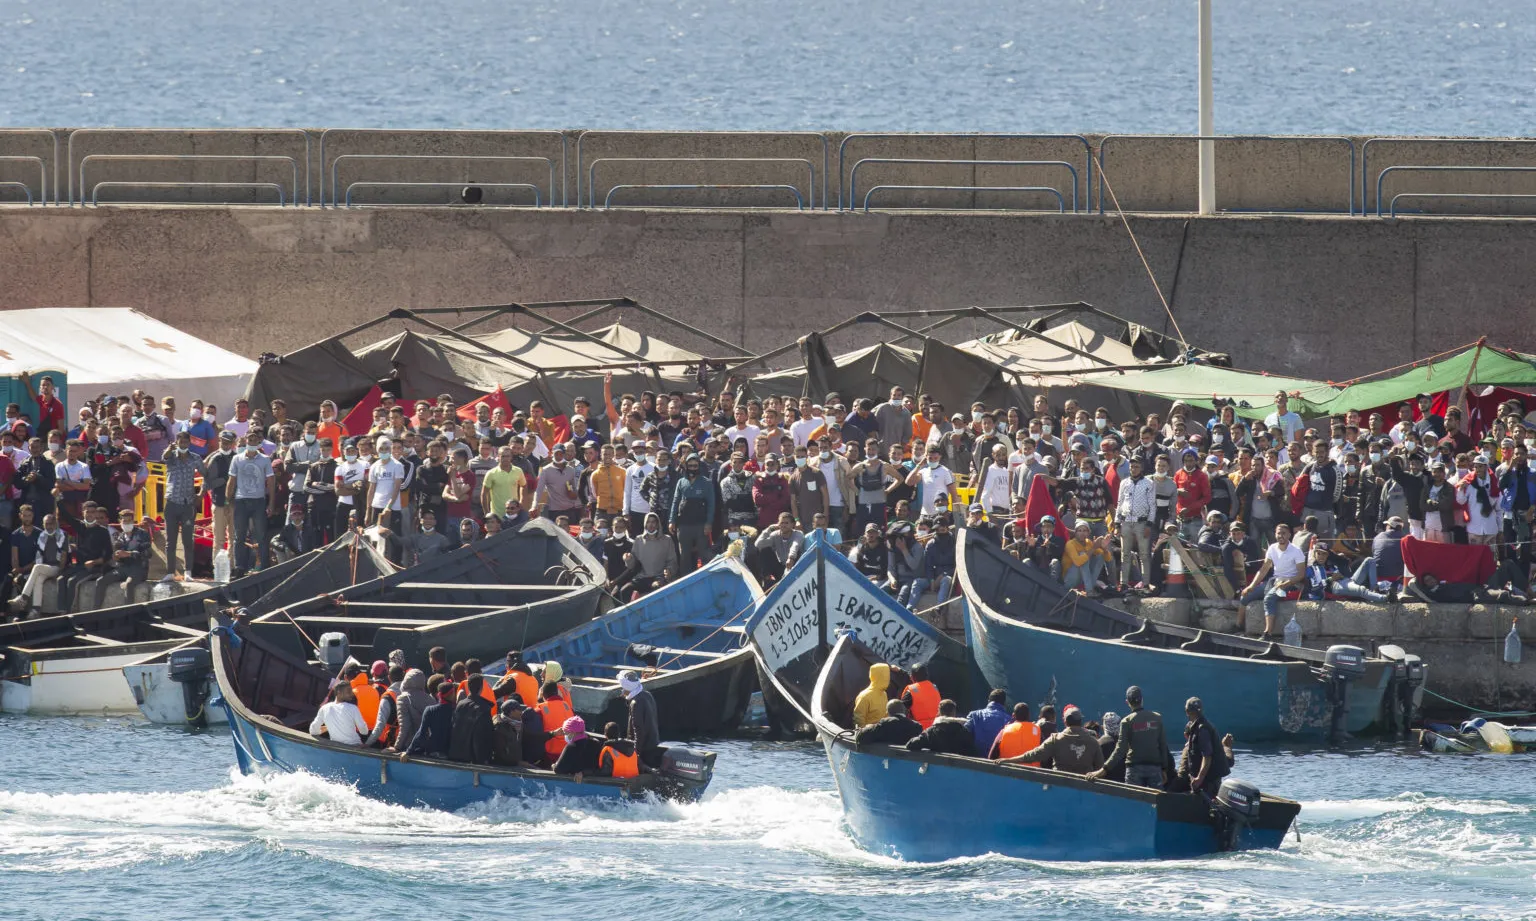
column 1193, row 495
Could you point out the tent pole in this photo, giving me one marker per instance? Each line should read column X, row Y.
column 1471, row 370
column 538, row 373
column 983, row 312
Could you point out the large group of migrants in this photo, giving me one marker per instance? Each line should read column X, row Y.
column 457, row 713
column 655, row 485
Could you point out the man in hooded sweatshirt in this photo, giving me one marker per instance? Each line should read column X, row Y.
column 413, row 701
column 472, row 734
column 507, row 732
column 869, row 707
column 643, row 728
column 653, row 560
column 948, row 734
column 434, row 733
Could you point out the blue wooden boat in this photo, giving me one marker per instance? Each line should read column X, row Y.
column 685, row 639
column 923, row 806
column 269, row 697
column 822, row 595
column 511, row 589
column 1028, row 634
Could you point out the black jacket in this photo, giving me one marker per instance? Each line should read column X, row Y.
column 643, row 729
column 93, row 543
column 893, row 730
column 579, row 757
column 436, row 729
column 473, row 736
column 947, row 736
column 507, row 741
column 533, row 736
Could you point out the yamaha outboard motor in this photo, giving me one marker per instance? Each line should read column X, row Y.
column 334, row 651
column 1406, row 694
column 686, row 768
column 192, row 668
column 1341, row 665
column 1237, row 806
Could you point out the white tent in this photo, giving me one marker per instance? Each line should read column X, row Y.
column 116, row 350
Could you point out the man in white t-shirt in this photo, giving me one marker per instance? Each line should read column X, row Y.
column 386, row 481
column 810, row 420
column 1283, row 569
column 1287, row 422
column 743, row 429
column 351, row 484
column 934, row 479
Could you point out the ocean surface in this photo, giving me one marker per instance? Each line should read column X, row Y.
column 1281, row 66
column 114, row 818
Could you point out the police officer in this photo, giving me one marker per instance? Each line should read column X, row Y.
column 1143, row 746
column 1204, row 759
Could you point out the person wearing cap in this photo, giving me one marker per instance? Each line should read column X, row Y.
column 1142, row 748
column 1478, row 493
column 386, row 681
column 642, row 727
column 1084, row 559
column 871, row 556
column 1109, row 737
column 1441, row 506
column 1074, row 750
column 507, row 731
column 182, row 499
column 386, row 483
column 1203, row 761
column 895, row 728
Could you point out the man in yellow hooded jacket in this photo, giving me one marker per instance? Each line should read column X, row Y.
column 869, row 706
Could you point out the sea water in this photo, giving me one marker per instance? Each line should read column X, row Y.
column 114, row 818
column 1281, row 66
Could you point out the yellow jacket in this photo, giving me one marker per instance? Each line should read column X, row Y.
column 1078, row 552
column 608, row 487
column 869, row 706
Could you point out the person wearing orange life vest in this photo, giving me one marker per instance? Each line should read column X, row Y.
column 921, row 697
column 367, row 695
column 1073, row 750
column 517, row 679
column 473, row 667
column 618, row 757
column 386, row 729
column 554, row 711
column 1018, row 737
column 554, row 672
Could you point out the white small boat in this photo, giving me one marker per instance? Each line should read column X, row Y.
column 1478, row 736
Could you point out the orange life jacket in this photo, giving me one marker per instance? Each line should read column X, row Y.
column 623, row 765
column 391, row 731
column 527, row 687
column 367, row 699
column 1018, row 738
column 925, row 702
column 486, row 691
column 555, row 713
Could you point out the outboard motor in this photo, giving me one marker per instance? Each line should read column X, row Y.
column 1406, row 694
column 1341, row 665
column 333, row 651
column 685, row 768
column 1237, row 806
column 192, row 668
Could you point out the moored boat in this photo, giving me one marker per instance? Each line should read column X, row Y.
column 1477, row 736
column 1042, row 643
column 922, row 806
column 822, row 595
column 269, row 696
column 686, row 640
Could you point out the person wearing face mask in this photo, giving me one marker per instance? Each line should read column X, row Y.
column 807, row 490
column 839, row 477
column 555, row 491
column 101, row 456
column 297, row 459
column 736, row 489
column 320, row 493
column 588, row 537
column 933, row 480
column 613, row 534
column 989, row 437
column 771, row 494
column 636, row 505
column 652, row 561
column 198, row 429
column 659, row 486
column 1479, row 493
column 183, row 500
column 253, row 490
column 35, row 478
column 693, row 515
column 51, row 558
column 351, row 484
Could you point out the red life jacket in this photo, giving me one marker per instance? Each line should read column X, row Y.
column 925, row 702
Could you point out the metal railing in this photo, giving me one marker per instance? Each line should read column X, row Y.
column 1061, row 204
column 608, row 199
column 853, row 174
column 1104, row 144
column 42, row 174
column 1365, row 153
column 496, row 158
column 1393, row 212
column 1381, row 177
column 842, row 150
column 128, row 184
column 807, row 135
column 25, row 189
column 233, row 132
column 53, row 139
column 437, row 185
column 592, row 172
column 455, row 132
column 189, row 158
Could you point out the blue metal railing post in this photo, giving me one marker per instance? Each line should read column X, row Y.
column 799, row 199
column 592, row 171
column 1061, row 204
column 25, row 189
column 853, row 174
column 1382, row 176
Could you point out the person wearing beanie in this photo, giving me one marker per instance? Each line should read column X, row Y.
column 643, row 728
column 581, row 751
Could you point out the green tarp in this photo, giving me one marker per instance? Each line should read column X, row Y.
column 1196, row 384
column 1493, row 366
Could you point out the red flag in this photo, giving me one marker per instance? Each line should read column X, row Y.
column 496, row 399
column 360, row 418
column 1040, row 504
column 562, row 424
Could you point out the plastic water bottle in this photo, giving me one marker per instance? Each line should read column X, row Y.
column 221, row 566
column 1512, row 644
column 1293, row 632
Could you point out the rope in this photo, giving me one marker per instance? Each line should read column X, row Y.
column 750, row 606
column 1143, row 256
column 1410, row 364
column 1472, row 709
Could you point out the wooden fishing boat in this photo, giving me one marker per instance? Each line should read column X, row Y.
column 1042, row 643
column 270, row 695
column 822, row 595
column 924, row 806
column 687, row 642
column 72, row 663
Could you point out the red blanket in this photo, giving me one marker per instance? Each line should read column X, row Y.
column 1466, row 563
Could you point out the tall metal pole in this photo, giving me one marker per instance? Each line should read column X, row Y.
column 1207, row 116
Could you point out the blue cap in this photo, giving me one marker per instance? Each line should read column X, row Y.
column 1191, row 452
column 1045, row 518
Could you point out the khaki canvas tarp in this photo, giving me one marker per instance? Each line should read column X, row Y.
column 1196, row 384
column 863, row 372
column 1026, row 355
column 323, row 371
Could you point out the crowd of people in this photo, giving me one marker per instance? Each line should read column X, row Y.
column 455, row 712
column 655, row 485
column 903, row 707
